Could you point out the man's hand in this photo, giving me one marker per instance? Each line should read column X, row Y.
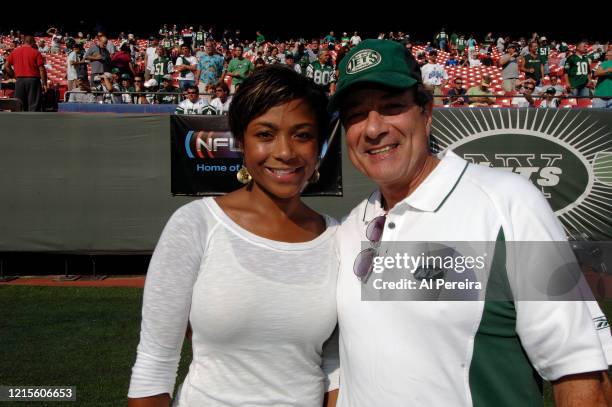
column 580, row 390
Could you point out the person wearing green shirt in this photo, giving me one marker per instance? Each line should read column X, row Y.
column 162, row 65
column 461, row 45
column 544, row 53
column 603, row 90
column 453, row 40
column 578, row 72
column 531, row 64
column 260, row 39
column 239, row 68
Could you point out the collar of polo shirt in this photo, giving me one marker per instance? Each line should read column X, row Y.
column 430, row 195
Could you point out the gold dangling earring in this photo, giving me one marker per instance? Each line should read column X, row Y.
column 243, row 175
column 314, row 177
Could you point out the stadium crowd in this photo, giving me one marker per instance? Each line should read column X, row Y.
column 199, row 70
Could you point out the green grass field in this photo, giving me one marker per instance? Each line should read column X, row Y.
column 83, row 337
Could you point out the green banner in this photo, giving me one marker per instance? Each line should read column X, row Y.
column 567, row 154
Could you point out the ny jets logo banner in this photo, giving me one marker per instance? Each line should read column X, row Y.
column 567, row 154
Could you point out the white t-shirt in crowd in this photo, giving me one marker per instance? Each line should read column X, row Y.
column 222, row 108
column 433, row 74
column 71, row 71
column 190, row 60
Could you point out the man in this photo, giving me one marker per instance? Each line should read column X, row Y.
column 434, row 77
column 554, row 83
column 322, row 72
column 531, row 64
column 313, row 50
column 603, row 91
column 526, row 99
column 544, row 52
column 290, row 62
column 187, row 66
column 72, row 63
column 238, row 68
column 210, row 67
column 457, row 95
column 330, row 40
column 43, row 48
column 461, row 44
column 192, row 103
column 99, row 57
column 510, row 70
column 355, row 39
column 199, row 38
column 578, row 72
column 222, row 101
column 126, row 89
column 162, row 65
column 481, row 96
column 441, row 39
column 445, row 353
column 82, row 92
column 26, row 65
column 106, row 88
column 549, row 99
column 167, row 94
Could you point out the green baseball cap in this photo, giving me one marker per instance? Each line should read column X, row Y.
column 381, row 62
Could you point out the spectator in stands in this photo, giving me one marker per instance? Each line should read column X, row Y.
column 42, row 47
column 290, row 62
column 501, row 44
column 434, row 77
column 313, row 51
column 168, row 93
column 554, row 83
column 82, row 92
column 192, row 103
column 210, row 66
column 107, row 91
column 355, row 39
column 110, row 46
column 239, row 68
column 150, row 56
column 603, row 90
column 122, row 60
column 510, row 70
column 223, row 100
column 140, row 95
column 531, row 64
column 162, row 65
column 151, row 86
column 457, row 96
column 452, row 59
column 544, row 53
column 441, row 39
column 259, row 62
column 26, row 65
column 323, row 73
column 187, row 66
column 56, row 40
column 72, row 62
column 461, row 44
column 99, row 56
column 126, row 88
column 578, row 71
column 526, row 99
column 481, row 96
column 549, row 99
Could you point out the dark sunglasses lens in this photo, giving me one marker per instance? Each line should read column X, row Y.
column 363, row 263
column 375, row 228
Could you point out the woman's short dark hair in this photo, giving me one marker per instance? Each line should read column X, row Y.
column 270, row 86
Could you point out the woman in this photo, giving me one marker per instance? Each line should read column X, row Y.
column 253, row 271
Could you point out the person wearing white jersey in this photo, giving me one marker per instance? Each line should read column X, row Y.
column 254, row 272
column 434, row 76
column 223, row 100
column 476, row 352
column 192, row 104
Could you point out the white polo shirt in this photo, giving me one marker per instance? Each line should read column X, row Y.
column 460, row 353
